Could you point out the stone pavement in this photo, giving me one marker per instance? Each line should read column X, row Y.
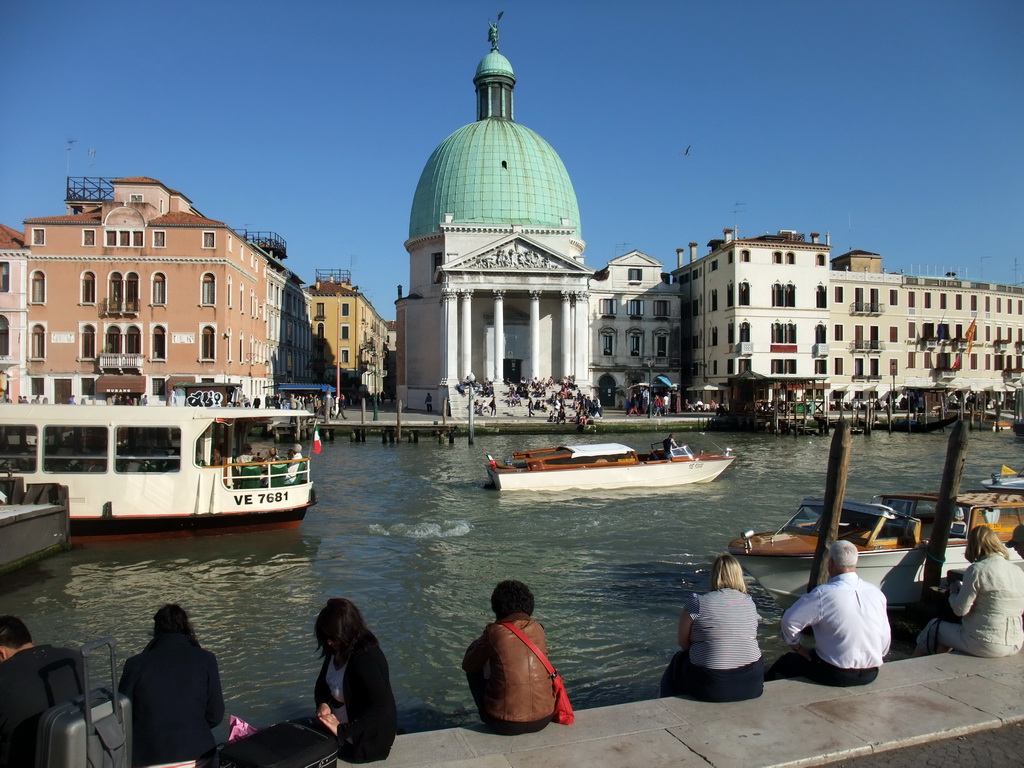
column 1002, row 747
column 795, row 723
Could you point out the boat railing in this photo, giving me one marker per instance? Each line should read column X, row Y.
column 278, row 473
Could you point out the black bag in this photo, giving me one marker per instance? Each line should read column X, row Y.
column 90, row 731
column 285, row 745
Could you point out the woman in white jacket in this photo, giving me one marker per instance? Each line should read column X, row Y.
column 991, row 601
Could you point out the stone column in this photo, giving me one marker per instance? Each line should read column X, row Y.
column 499, row 335
column 466, row 346
column 534, row 367
column 566, row 338
column 449, row 338
column 583, row 341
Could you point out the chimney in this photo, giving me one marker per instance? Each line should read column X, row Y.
column 399, row 291
column 728, row 235
column 828, row 238
column 693, row 252
column 814, row 237
column 679, row 257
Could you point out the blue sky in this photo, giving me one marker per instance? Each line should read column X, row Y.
column 894, row 126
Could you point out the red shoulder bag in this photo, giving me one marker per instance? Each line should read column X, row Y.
column 563, row 709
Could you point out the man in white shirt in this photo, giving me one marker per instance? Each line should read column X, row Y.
column 851, row 627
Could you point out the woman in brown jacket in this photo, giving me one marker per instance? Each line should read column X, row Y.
column 510, row 685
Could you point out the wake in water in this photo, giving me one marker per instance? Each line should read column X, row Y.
column 444, row 530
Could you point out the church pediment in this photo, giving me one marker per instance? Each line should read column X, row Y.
column 516, row 255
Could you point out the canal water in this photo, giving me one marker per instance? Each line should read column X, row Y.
column 410, row 533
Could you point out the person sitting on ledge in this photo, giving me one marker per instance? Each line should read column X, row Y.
column 851, row 628
column 511, row 688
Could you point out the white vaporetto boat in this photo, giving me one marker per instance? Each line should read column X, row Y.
column 605, row 466
column 155, row 471
column 891, row 536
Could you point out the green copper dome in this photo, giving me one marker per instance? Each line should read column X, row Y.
column 494, row 171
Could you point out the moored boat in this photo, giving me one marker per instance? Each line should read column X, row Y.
column 917, row 425
column 605, row 466
column 1006, row 479
column 891, row 535
column 155, row 471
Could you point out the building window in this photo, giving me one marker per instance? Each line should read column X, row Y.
column 344, row 309
column 661, row 308
column 88, row 288
column 158, row 387
column 208, row 349
column 159, row 343
column 777, row 257
column 714, row 265
column 113, row 342
column 159, row 239
column 661, row 345
column 820, row 259
column 209, row 239
column 839, row 294
column 784, row 366
column 636, row 343
column 744, row 255
column 38, row 288
column 635, row 307
column 125, row 238
column 790, row 258
column 820, row 334
column 88, row 342
column 5, row 337
column 821, row 367
column 133, row 341
column 608, row 343
column 714, row 300
column 320, row 331
column 344, row 333
column 744, row 297
column 730, row 295
column 344, row 356
column 115, row 292
column 608, row 306
column 209, row 292
column 744, row 332
column 88, row 237
column 635, row 275
column 38, row 237
column 38, row 342
column 159, row 289
column 821, row 297
column 837, row 366
column 5, row 277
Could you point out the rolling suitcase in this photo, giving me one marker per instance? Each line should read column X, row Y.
column 285, row 745
column 93, row 730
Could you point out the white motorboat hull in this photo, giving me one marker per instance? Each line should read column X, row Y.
column 660, row 474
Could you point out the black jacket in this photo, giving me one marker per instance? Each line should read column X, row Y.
column 369, row 702
column 32, row 681
column 176, row 698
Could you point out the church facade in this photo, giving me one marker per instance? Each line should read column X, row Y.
column 498, row 288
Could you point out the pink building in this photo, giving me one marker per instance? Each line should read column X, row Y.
column 132, row 291
column 13, row 323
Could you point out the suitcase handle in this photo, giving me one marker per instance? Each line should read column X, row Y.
column 87, row 650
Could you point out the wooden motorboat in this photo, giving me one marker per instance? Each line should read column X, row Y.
column 605, row 466
column 148, row 471
column 891, row 534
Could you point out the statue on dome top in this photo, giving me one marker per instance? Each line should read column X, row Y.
column 492, row 32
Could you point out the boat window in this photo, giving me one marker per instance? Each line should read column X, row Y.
column 75, row 449
column 18, row 447
column 215, row 438
column 148, row 449
column 990, row 514
column 905, row 506
column 856, row 524
column 804, row 521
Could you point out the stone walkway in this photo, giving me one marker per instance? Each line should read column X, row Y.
column 795, row 723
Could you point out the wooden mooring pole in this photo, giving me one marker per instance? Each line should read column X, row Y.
column 835, row 489
column 956, row 455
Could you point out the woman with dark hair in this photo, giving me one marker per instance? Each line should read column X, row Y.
column 511, row 687
column 720, row 659
column 353, row 690
column 174, row 686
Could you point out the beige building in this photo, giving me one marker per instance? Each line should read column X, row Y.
column 132, row 290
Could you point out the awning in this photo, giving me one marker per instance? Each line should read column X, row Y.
column 121, row 385
column 174, row 381
column 305, row 387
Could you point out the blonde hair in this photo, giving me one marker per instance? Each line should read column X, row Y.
column 983, row 542
column 726, row 573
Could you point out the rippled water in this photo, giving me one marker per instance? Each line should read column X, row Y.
column 411, row 535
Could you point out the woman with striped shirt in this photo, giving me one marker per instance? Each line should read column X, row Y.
column 720, row 659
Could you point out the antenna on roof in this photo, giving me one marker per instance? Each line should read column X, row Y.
column 736, row 211
column 71, row 143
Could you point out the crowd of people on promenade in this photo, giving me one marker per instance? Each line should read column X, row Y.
column 175, row 689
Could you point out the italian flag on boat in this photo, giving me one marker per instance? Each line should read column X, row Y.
column 317, row 445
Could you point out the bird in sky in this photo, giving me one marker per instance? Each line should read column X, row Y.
column 687, row 152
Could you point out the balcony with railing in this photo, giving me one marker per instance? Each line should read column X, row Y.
column 120, row 361
column 928, row 342
column 866, row 377
column 867, row 345
column 8, row 361
column 271, row 242
column 819, row 350
column 745, row 348
column 866, row 308
column 119, row 307
column 1000, row 346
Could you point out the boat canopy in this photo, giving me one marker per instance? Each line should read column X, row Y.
column 599, row 449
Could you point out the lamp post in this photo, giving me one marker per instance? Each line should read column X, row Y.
column 375, row 379
column 650, row 387
column 470, row 379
